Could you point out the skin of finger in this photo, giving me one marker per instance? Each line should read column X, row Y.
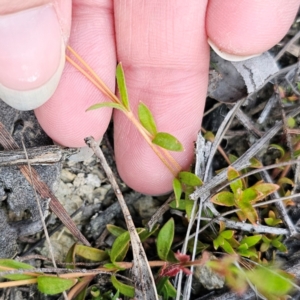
column 247, row 27
column 64, row 116
column 164, row 52
column 62, row 9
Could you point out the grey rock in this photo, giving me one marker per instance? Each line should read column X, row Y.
column 67, row 176
column 19, row 195
column 93, row 180
column 146, row 207
column 79, row 180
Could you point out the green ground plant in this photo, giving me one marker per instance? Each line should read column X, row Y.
column 242, row 262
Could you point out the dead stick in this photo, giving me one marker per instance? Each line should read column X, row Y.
column 142, row 275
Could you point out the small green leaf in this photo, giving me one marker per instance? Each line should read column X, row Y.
column 115, row 230
column 189, row 204
column 91, row 253
column 285, row 180
column 279, row 148
column 146, row 233
column 248, row 210
column 51, row 285
column 120, row 247
column 10, row 263
column 70, row 257
column 255, row 163
column 291, row 122
column 272, row 221
column 264, row 247
column 123, row 288
column 265, row 189
column 227, row 234
column 167, row 141
column 251, row 240
column 209, row 136
column 223, row 198
column 251, row 195
column 232, row 158
column 189, row 178
column 232, row 174
column 177, row 190
column 165, row 239
column 106, row 104
column 270, row 282
column 168, row 290
column 116, row 296
column 277, row 244
column 181, row 204
column 146, row 118
column 227, row 247
column 219, row 241
column 247, row 253
column 122, row 86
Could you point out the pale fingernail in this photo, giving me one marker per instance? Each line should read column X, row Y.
column 32, row 57
column 227, row 56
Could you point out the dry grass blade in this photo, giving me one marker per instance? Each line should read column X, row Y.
column 142, row 275
column 8, row 143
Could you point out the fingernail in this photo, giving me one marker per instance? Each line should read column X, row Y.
column 227, row 56
column 32, row 56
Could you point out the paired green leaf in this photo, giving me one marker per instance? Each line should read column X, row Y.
column 180, row 205
column 177, row 191
column 146, row 118
column 10, row 263
column 167, row 141
column 247, row 210
column 115, row 230
column 51, row 285
column 146, row 233
column 120, row 247
column 251, row 240
column 165, row 288
column 265, row 189
column 165, row 239
column 223, row 198
column 238, row 184
column 106, row 104
column 122, row 86
column 189, row 178
column 123, row 288
column 70, row 257
column 91, row 253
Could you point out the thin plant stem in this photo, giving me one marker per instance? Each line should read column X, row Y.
column 163, row 155
column 103, row 85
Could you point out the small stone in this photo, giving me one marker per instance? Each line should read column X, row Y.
column 63, row 190
column 79, row 180
column 93, row 180
column 204, row 276
column 61, row 243
column 146, row 207
column 86, row 192
column 66, row 176
column 99, row 193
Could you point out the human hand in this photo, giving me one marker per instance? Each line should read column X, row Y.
column 164, row 51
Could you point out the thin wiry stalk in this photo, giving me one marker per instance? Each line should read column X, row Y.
column 164, row 155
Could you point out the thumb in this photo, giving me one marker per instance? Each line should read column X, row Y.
column 33, row 36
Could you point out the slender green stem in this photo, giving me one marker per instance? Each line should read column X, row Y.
column 163, row 154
